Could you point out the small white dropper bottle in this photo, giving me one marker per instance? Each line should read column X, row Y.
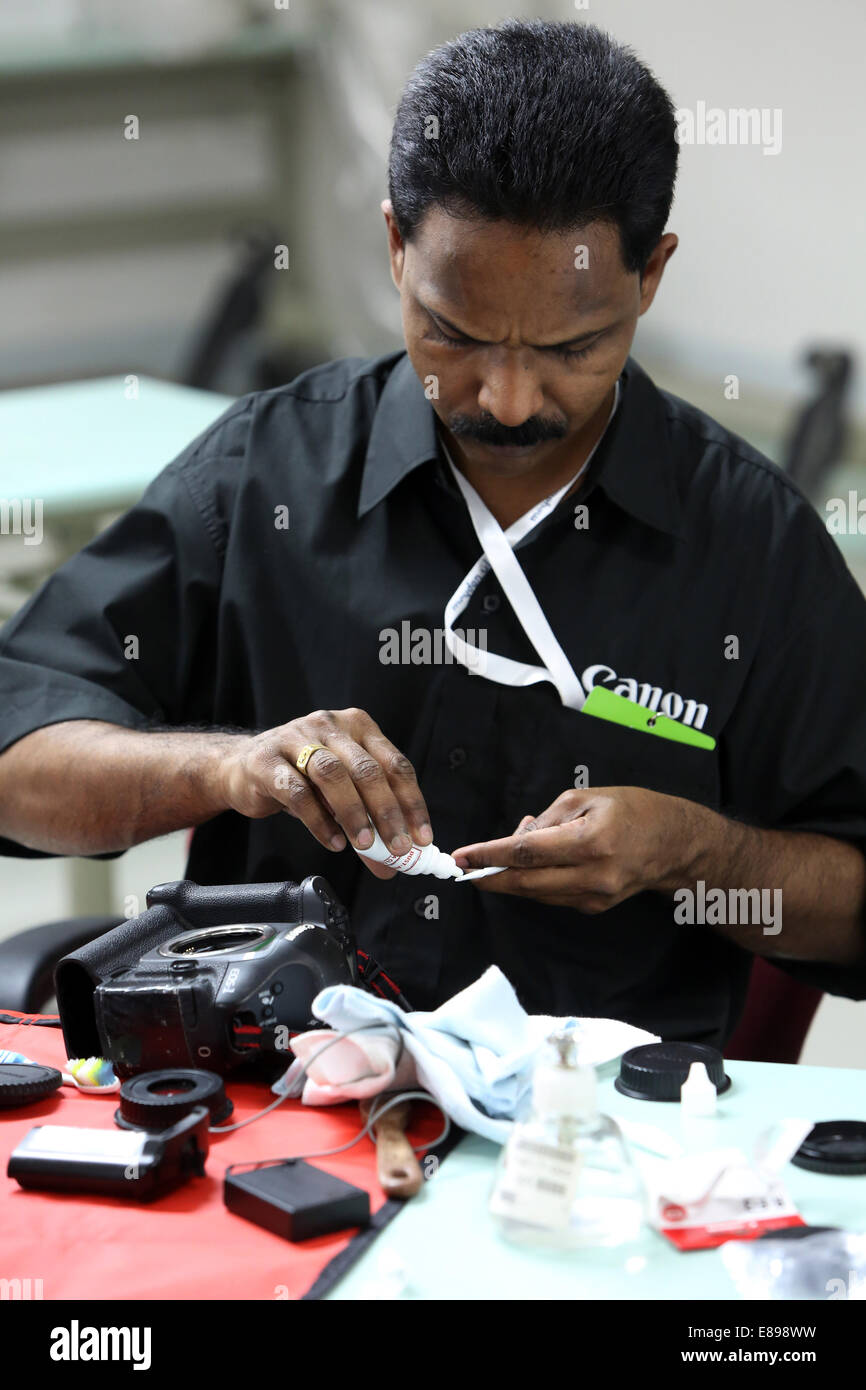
column 418, row 859
column 698, row 1095
column 699, row 1124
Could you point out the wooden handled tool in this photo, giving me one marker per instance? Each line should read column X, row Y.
column 397, row 1163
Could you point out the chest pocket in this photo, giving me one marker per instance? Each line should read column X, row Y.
column 567, row 748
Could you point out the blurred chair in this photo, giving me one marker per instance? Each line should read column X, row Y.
column 237, row 313
column 236, row 310
column 28, row 958
column 776, row 1017
column 820, row 430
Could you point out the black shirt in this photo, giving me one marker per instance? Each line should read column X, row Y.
column 694, row 538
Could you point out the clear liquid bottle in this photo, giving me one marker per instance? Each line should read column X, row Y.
column 565, row 1177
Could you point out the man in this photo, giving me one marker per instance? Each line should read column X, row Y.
column 295, row 676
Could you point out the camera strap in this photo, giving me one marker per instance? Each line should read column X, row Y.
column 498, row 555
column 374, row 979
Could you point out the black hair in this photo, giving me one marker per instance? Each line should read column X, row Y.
column 545, row 125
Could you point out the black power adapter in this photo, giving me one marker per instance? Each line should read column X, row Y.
column 295, row 1200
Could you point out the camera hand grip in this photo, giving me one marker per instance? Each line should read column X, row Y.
column 218, row 905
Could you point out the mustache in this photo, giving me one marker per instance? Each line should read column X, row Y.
column 486, row 429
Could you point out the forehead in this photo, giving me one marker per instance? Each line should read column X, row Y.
column 481, row 269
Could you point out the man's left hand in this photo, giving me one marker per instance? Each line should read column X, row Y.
column 593, row 848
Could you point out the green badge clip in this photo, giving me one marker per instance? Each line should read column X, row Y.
column 604, row 704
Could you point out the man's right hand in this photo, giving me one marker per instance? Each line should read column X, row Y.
column 357, row 776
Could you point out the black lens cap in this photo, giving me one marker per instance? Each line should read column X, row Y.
column 834, row 1146
column 657, row 1070
column 22, row 1083
column 156, row 1100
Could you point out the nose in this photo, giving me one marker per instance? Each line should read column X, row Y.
column 510, row 392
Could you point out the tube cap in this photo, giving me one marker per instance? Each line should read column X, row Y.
column 657, row 1071
column 834, row 1146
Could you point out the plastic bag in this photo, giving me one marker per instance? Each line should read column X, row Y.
column 828, row 1265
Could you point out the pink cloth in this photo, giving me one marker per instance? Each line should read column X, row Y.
column 352, row 1068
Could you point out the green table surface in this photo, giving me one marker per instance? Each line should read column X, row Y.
column 451, row 1249
column 84, row 445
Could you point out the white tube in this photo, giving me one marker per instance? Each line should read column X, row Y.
column 419, row 859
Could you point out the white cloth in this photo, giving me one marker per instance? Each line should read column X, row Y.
column 475, row 1053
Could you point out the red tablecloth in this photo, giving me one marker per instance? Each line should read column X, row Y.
column 185, row 1244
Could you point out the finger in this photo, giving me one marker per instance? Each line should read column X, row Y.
column 528, row 850
column 560, row 885
column 374, row 790
column 525, row 825
column 328, row 775
column 377, row 870
column 404, row 784
column 302, row 801
column 296, row 796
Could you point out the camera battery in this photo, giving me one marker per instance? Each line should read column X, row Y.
column 65, row 1158
column 296, row 1200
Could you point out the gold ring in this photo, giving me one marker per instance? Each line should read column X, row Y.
column 305, row 755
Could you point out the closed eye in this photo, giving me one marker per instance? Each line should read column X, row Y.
column 565, row 353
column 573, row 354
column 436, row 332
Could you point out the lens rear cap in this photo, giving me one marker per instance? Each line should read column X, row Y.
column 834, row 1146
column 657, row 1070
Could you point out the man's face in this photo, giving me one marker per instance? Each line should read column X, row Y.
column 524, row 333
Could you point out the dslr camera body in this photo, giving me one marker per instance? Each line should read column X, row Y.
column 217, row 996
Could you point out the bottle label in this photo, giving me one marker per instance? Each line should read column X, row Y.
column 404, row 862
column 537, row 1184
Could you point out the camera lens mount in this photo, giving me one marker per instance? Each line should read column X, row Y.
column 240, row 939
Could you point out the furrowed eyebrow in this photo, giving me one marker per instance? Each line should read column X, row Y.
column 452, row 328
column 542, row 347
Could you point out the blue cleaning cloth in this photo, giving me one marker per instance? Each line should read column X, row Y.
column 475, row 1054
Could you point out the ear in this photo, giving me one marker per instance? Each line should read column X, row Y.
column 655, row 266
column 396, row 248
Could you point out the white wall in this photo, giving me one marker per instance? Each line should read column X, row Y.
column 771, row 253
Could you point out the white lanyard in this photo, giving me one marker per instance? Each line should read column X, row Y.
column 499, row 556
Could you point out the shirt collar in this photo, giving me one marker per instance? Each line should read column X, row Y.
column 633, row 465
column 403, row 435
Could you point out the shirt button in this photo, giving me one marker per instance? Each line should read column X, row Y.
column 420, row 906
column 457, row 757
column 491, row 603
